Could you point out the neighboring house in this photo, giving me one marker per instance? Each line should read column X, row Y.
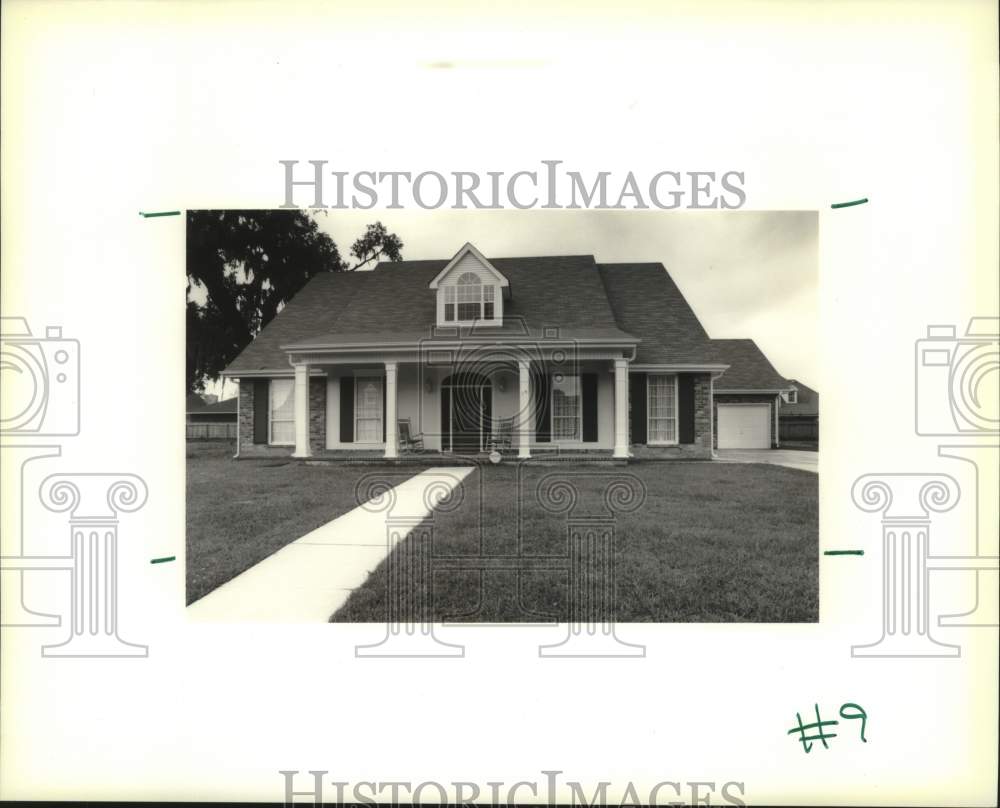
column 561, row 353
column 210, row 421
column 799, row 413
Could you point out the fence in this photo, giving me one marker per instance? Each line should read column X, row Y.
column 806, row 429
column 221, row 431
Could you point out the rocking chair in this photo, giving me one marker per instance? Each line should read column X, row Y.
column 408, row 442
column 502, row 437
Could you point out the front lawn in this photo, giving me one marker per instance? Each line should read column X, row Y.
column 240, row 512
column 714, row 542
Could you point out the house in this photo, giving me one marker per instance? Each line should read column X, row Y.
column 210, row 420
column 562, row 353
column 799, row 413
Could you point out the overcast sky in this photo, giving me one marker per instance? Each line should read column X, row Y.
column 745, row 273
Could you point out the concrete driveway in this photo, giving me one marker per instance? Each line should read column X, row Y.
column 791, row 458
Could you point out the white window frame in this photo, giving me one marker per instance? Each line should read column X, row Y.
column 649, row 411
column 792, row 397
column 359, row 381
column 271, row 420
column 449, row 297
column 579, row 410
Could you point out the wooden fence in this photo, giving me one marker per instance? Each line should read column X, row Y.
column 804, row 430
column 219, row 431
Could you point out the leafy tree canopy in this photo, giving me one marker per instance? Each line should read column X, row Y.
column 244, row 265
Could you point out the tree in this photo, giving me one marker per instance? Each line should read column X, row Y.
column 243, row 266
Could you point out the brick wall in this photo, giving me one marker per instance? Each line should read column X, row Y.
column 317, row 421
column 744, row 398
column 703, row 414
column 700, row 448
column 245, row 415
column 317, row 414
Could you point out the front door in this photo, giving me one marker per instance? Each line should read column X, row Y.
column 466, row 410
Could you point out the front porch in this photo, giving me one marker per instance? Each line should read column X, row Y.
column 560, row 403
column 521, row 408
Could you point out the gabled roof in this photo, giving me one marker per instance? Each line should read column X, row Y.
column 646, row 302
column 395, row 305
column 626, row 304
column 312, row 311
column 749, row 368
column 808, row 401
column 469, row 249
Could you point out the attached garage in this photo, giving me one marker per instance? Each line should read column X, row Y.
column 744, row 426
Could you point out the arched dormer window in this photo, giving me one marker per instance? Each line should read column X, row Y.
column 470, row 290
column 469, row 299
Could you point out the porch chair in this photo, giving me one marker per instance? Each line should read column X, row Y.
column 502, row 438
column 408, row 442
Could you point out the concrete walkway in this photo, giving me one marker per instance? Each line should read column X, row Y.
column 790, row 458
column 308, row 580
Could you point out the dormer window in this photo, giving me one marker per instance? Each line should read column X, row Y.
column 469, row 299
column 470, row 290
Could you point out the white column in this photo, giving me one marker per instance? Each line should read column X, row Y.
column 524, row 408
column 301, row 411
column 621, row 408
column 391, row 419
column 777, row 431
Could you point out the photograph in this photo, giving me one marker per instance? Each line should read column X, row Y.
column 571, row 405
column 374, row 371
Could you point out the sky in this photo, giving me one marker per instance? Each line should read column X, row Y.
column 745, row 273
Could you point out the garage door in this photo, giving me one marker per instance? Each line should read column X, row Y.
column 744, row 426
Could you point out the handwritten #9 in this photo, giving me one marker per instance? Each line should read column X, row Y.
column 817, row 730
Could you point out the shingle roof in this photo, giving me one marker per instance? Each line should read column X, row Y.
column 749, row 368
column 808, row 401
column 583, row 299
column 310, row 313
column 646, row 302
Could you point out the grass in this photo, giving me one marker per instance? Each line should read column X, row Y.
column 240, row 512
column 714, row 542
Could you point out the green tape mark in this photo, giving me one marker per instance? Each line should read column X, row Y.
column 843, row 552
column 162, row 560
column 849, row 204
column 160, row 213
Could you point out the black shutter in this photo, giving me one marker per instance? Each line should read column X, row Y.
column 637, row 406
column 261, row 401
column 384, row 380
column 685, row 407
column 346, row 409
column 445, row 419
column 588, row 389
column 543, row 413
